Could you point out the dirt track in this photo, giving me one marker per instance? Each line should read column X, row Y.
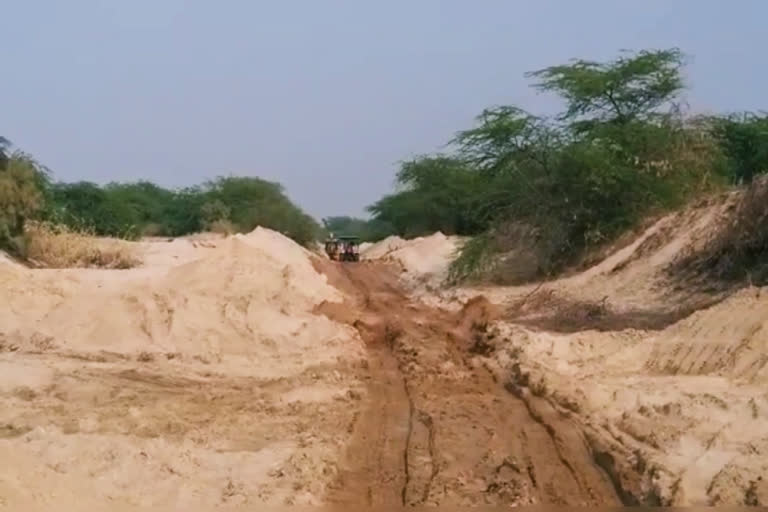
column 437, row 428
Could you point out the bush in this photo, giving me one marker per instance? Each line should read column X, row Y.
column 57, row 246
column 252, row 202
column 227, row 205
column 744, row 142
column 438, row 193
column 23, row 184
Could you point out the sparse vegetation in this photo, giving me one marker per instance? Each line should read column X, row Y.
column 738, row 249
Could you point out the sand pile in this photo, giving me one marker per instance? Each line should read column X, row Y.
column 200, row 377
column 382, row 248
column 425, row 260
column 250, row 297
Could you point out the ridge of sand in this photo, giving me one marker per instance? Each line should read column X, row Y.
column 678, row 415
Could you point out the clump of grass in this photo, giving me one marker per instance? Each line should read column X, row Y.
column 55, row 246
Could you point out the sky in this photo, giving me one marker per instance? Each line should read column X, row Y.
column 326, row 97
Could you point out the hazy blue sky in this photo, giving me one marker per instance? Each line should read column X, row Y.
column 325, row 96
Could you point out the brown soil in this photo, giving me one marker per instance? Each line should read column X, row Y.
column 439, row 429
column 545, row 309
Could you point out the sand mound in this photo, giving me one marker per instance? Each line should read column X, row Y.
column 424, row 259
column 249, row 297
column 202, row 376
column 382, row 248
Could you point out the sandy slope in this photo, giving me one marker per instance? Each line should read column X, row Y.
column 682, row 409
column 200, row 378
column 667, row 380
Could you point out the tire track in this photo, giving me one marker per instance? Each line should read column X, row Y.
column 443, row 431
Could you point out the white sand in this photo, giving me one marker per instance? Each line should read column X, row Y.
column 425, row 260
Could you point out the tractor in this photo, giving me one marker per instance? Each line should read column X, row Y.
column 343, row 248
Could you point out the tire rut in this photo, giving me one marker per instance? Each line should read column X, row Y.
column 438, row 429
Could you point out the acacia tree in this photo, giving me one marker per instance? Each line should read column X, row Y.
column 629, row 88
column 506, row 139
column 617, row 151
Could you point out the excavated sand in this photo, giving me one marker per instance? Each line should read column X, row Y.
column 201, row 377
column 205, row 377
column 682, row 411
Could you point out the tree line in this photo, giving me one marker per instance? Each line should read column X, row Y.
column 623, row 148
column 131, row 210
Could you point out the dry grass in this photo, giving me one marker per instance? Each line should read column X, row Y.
column 738, row 250
column 54, row 246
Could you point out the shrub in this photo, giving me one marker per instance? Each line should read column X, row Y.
column 22, row 196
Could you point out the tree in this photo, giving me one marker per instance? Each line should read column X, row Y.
column 505, row 139
column 256, row 202
column 437, row 193
column 147, row 202
column 631, row 87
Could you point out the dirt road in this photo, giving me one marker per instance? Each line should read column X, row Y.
column 437, row 428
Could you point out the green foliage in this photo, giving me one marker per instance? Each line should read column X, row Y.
column 621, row 150
column 87, row 206
column 255, row 202
column 504, row 139
column 743, row 138
column 130, row 210
column 629, row 88
column 437, row 193
column 475, row 259
column 23, row 191
column 183, row 214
